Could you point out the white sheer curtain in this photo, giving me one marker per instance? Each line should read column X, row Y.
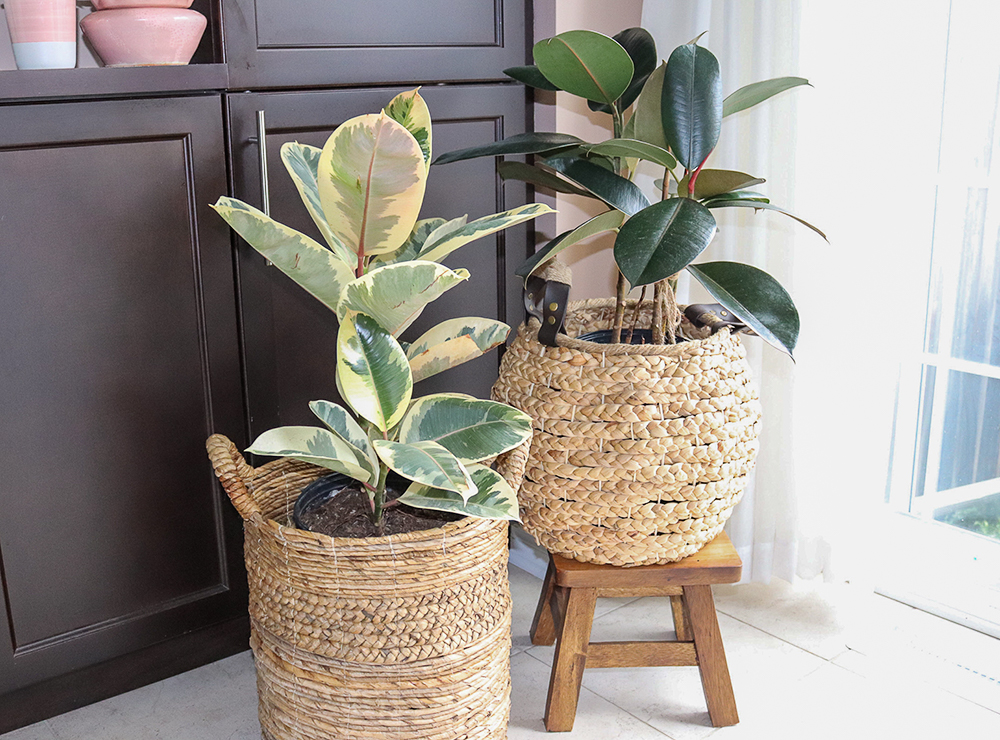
column 825, row 437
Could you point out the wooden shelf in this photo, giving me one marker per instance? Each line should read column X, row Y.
column 51, row 84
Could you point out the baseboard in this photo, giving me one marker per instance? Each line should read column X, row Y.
column 526, row 554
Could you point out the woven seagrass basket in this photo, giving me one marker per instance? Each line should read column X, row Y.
column 640, row 452
column 404, row 636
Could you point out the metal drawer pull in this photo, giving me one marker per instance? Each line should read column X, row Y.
column 265, row 195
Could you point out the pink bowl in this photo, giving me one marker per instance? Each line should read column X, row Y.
column 108, row 4
column 135, row 37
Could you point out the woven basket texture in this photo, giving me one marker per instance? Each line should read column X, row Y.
column 639, row 453
column 381, row 638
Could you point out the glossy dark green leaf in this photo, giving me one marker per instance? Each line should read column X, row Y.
column 607, row 221
column 647, row 120
column 691, row 104
column 756, row 204
column 581, row 152
column 754, row 297
column 715, row 182
column 537, row 142
column 662, row 240
column 585, row 63
column 641, row 49
column 613, row 189
column 531, row 76
column 538, row 177
column 723, row 199
column 633, row 148
column 757, row 92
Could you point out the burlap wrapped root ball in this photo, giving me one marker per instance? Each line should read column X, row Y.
column 640, row 452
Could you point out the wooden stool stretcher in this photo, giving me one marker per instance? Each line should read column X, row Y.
column 565, row 614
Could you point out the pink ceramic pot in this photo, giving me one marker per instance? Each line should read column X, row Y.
column 42, row 33
column 136, row 37
column 109, row 4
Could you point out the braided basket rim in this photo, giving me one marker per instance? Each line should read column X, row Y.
column 532, row 325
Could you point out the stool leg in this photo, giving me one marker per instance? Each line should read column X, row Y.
column 577, row 612
column 681, row 626
column 711, row 656
column 543, row 631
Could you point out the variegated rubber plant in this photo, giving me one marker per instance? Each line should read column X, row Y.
column 677, row 109
column 378, row 270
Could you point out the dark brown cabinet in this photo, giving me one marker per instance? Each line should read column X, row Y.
column 303, row 43
column 134, row 324
column 120, row 355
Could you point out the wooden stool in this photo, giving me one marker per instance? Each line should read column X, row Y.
column 565, row 614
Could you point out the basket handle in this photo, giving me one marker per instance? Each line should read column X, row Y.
column 234, row 473
column 512, row 464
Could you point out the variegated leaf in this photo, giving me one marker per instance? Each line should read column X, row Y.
column 411, row 111
column 453, row 342
column 469, row 428
column 394, row 295
column 303, row 259
column 344, row 426
column 436, row 251
column 371, row 183
column 444, row 230
column 411, row 247
column 312, row 445
column 373, row 374
column 302, row 163
column 428, row 463
column 493, row 499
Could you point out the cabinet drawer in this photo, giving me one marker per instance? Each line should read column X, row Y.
column 285, row 43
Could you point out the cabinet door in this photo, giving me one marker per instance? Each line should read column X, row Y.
column 289, row 337
column 300, row 43
column 121, row 559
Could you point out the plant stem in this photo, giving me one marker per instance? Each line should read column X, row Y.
column 658, row 312
column 617, row 122
column 635, row 315
column 620, row 293
column 378, row 501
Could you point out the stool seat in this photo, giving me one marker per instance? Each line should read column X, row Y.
column 565, row 615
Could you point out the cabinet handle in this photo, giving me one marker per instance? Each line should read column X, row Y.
column 265, row 195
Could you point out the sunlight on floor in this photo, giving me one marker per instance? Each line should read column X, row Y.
column 814, row 660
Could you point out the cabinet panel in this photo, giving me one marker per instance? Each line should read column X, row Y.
column 290, row 337
column 284, row 43
column 120, row 357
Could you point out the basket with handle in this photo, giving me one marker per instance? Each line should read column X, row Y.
column 402, row 636
column 640, row 452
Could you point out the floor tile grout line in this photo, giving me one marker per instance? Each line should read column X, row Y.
column 778, row 637
column 620, row 606
column 945, row 687
column 585, row 688
column 966, row 698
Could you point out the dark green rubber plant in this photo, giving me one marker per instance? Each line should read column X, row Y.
column 671, row 115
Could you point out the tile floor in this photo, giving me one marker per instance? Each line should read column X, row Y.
column 811, row 661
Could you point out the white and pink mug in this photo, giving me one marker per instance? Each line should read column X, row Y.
column 43, row 33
